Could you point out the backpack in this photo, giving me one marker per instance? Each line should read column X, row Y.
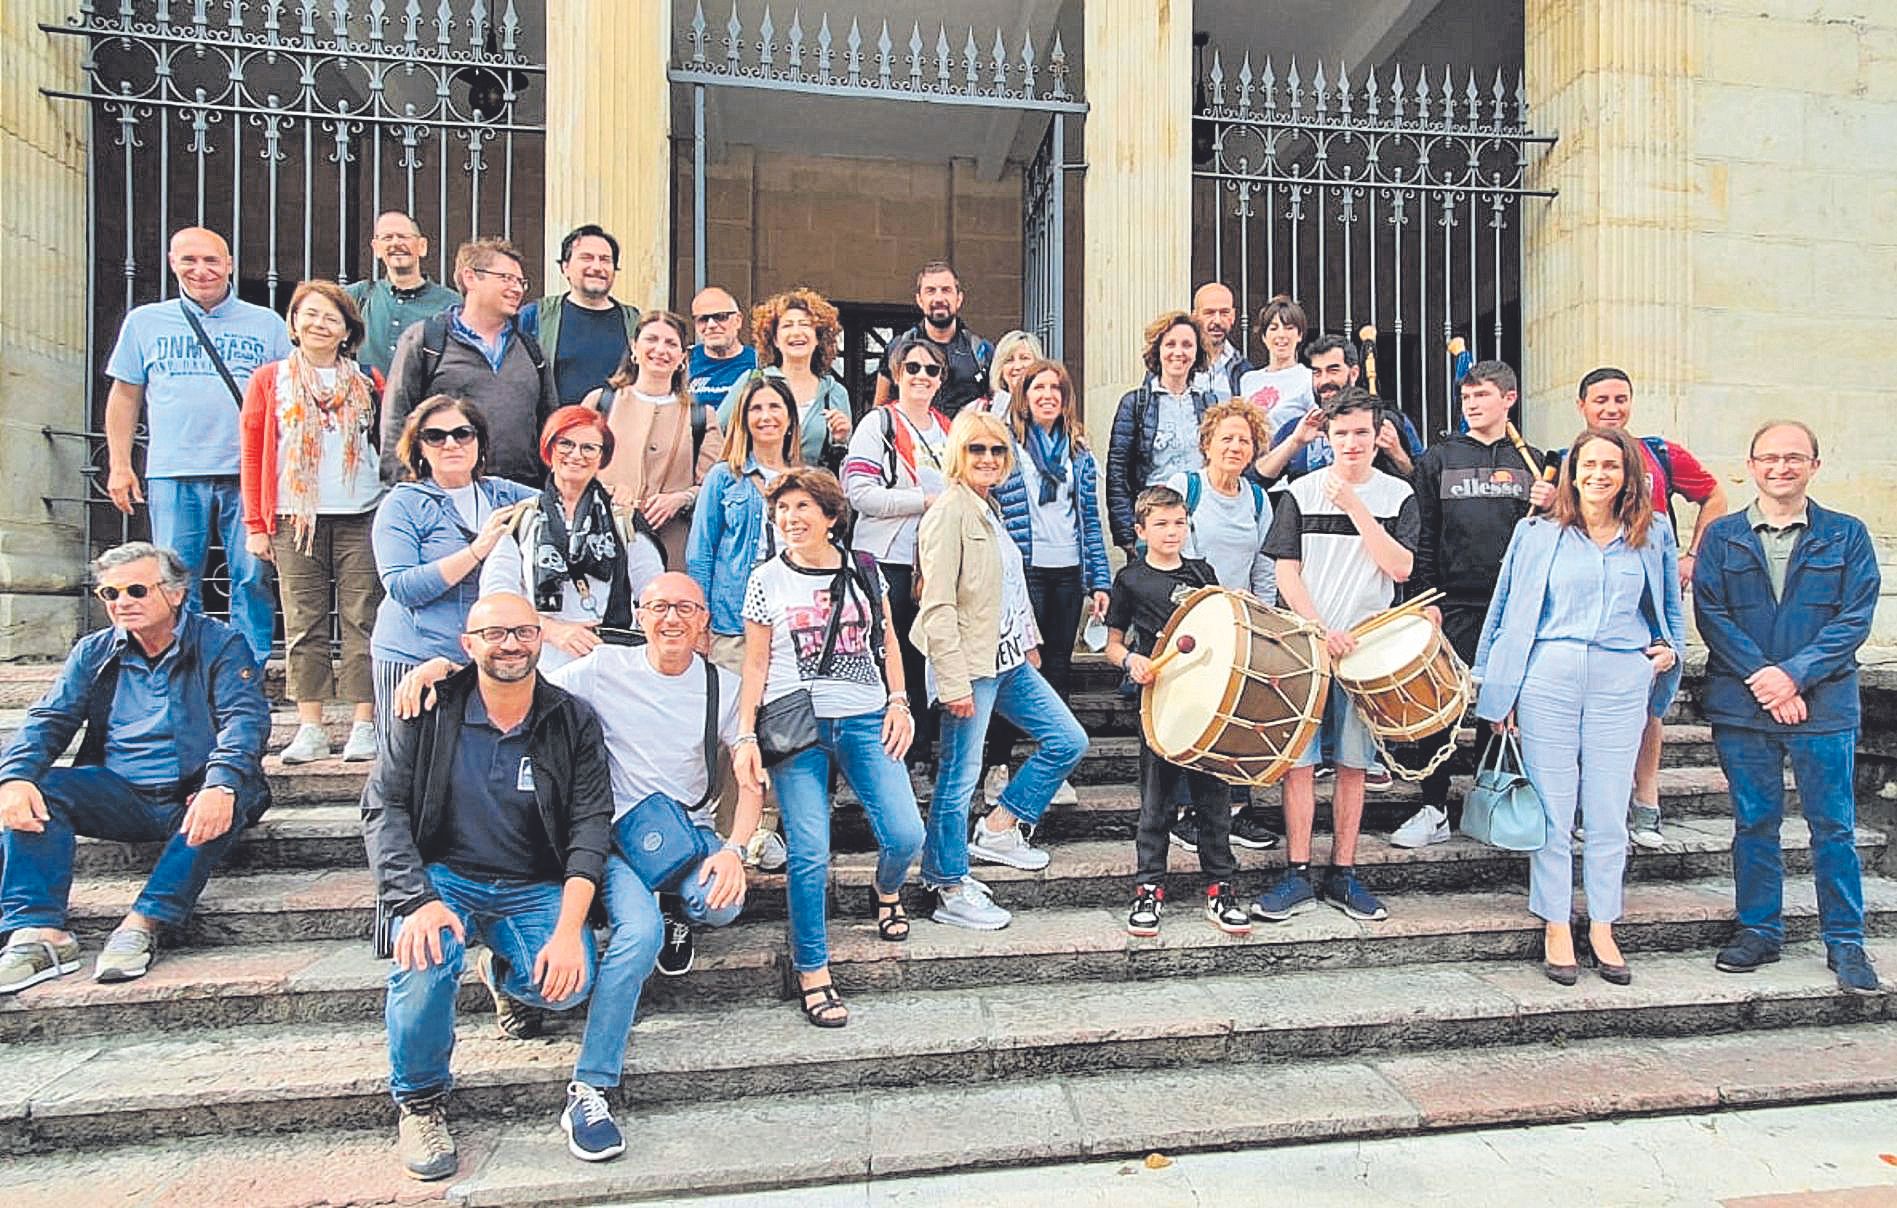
column 1662, row 457
column 435, row 342
column 1195, row 491
column 699, row 420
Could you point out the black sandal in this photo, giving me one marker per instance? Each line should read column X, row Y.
column 822, row 1012
column 891, row 922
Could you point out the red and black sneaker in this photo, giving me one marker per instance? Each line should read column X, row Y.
column 1143, row 919
column 1223, row 911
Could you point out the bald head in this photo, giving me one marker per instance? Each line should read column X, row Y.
column 673, row 585
column 673, row 615
column 501, row 608
column 717, row 322
column 1212, row 307
column 201, row 261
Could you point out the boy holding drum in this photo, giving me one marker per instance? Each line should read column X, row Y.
column 1144, row 595
column 1344, row 537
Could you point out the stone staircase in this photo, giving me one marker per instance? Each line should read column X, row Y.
column 249, row 1066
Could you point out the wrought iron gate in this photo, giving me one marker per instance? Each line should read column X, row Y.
column 1044, row 240
column 1385, row 205
column 287, row 127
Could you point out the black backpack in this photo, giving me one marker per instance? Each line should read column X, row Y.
column 435, row 342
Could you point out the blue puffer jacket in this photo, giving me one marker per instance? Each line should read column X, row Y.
column 416, row 526
column 1130, row 452
column 219, row 717
column 727, row 527
column 1012, row 495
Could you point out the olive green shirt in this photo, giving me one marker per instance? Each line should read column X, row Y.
column 1778, row 543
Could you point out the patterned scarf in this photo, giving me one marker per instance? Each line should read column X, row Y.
column 1049, row 451
column 305, row 407
column 590, row 549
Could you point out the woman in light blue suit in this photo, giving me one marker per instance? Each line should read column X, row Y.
column 1584, row 635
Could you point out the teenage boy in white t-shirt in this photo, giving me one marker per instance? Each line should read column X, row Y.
column 1344, row 537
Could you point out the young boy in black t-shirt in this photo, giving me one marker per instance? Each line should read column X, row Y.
column 1145, row 593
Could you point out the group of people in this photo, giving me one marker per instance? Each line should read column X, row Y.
column 620, row 598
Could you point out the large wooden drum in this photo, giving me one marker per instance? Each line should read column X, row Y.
column 1405, row 679
column 1244, row 703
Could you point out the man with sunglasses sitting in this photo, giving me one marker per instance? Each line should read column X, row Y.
column 175, row 718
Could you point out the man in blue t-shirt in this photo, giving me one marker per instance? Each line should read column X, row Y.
column 721, row 356
column 161, row 363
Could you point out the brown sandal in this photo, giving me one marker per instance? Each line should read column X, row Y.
column 892, row 923
column 823, row 1012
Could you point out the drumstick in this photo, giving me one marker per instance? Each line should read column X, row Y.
column 1548, row 473
column 1183, row 646
column 1410, row 607
column 1521, row 446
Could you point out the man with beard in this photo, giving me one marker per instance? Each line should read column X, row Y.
column 1299, row 446
column 585, row 332
column 490, row 816
column 402, row 297
column 939, row 297
column 1225, row 364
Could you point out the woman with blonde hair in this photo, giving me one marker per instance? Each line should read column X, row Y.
column 796, row 335
column 1583, row 638
column 976, row 629
column 1014, row 352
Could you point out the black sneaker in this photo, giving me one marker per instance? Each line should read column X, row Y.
column 1325, row 772
column 1143, row 919
column 1747, row 952
column 1855, row 972
column 1249, row 830
column 1223, row 911
column 1185, row 834
column 676, row 951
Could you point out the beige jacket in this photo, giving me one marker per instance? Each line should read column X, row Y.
column 959, row 623
column 653, row 455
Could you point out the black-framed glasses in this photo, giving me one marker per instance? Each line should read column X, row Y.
column 494, row 635
column 925, row 368
column 585, row 448
column 684, row 610
column 434, row 438
column 716, row 316
column 136, row 591
column 987, row 450
column 512, row 278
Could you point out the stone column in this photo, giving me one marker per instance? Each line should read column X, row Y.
column 1605, row 266
column 609, row 156
column 42, row 333
column 1138, row 191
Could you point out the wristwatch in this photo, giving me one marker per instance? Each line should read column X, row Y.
column 734, row 847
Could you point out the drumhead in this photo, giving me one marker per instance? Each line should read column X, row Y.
column 1388, row 649
column 1186, row 697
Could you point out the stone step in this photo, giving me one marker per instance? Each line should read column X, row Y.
column 299, row 962
column 140, row 1087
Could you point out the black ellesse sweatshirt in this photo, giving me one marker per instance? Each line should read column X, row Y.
column 1469, row 496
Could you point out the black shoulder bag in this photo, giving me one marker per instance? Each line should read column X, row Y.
column 788, row 724
column 657, row 836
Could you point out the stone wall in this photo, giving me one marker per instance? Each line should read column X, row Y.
column 42, row 332
column 1726, row 230
column 855, row 230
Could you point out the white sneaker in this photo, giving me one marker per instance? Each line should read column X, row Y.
column 361, row 745
column 968, row 905
column 1009, row 847
column 767, row 852
column 1065, row 795
column 1426, row 826
column 996, row 784
column 1645, row 830
column 310, row 744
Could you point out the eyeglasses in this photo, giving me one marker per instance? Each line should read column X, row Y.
column 510, row 278
column 585, row 448
column 136, row 591
column 684, row 610
column 397, row 238
column 1791, row 461
column 716, row 316
column 925, row 368
column 494, row 635
column 434, row 438
column 987, row 450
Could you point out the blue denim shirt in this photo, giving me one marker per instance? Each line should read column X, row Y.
column 1594, row 594
column 139, row 743
column 1811, row 632
column 416, row 526
column 219, row 717
column 727, row 527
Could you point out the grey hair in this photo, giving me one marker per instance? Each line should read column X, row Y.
column 171, row 568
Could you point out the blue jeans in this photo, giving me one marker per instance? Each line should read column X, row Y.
column 36, row 879
column 636, row 930
column 1823, row 767
column 1024, row 698
column 803, row 798
column 183, row 511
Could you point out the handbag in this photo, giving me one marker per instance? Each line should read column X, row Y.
column 1503, row 809
column 788, row 724
column 657, row 836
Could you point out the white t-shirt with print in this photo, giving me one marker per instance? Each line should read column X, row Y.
column 654, row 723
column 1017, row 634
column 1284, row 394
column 795, row 602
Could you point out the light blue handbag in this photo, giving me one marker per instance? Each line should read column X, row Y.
column 1503, row 809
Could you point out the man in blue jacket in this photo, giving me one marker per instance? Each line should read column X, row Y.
column 175, row 718
column 1784, row 593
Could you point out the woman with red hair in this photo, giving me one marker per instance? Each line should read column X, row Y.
column 578, row 556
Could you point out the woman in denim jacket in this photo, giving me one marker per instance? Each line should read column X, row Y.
column 1583, row 636
column 730, row 533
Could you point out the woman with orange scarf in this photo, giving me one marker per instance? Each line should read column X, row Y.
column 310, row 488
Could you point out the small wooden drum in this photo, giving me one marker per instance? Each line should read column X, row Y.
column 1244, row 703
column 1405, row 679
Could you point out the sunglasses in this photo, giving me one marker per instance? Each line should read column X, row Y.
column 434, row 438
column 716, row 316
column 925, row 368
column 987, row 450
column 136, row 591
column 494, row 635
